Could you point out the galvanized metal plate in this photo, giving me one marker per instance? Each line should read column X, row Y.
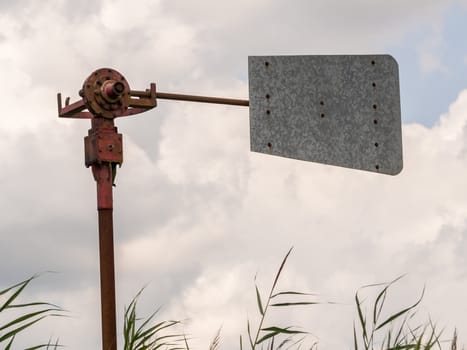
column 337, row 110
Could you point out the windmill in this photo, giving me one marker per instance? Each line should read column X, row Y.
column 341, row 110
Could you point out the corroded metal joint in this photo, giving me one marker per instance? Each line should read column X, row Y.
column 106, row 93
column 103, row 146
column 112, row 90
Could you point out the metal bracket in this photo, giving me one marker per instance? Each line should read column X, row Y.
column 107, row 94
column 103, row 145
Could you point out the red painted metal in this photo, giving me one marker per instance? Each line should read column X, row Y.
column 107, row 276
column 106, row 95
column 103, row 144
column 112, row 90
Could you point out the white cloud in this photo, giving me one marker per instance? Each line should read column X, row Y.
column 196, row 214
column 120, row 16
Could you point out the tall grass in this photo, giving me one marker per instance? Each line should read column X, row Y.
column 20, row 317
column 274, row 336
column 145, row 334
column 373, row 329
column 396, row 331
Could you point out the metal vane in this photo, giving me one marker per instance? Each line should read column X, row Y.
column 337, row 110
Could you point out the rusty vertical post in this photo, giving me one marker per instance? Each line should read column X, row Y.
column 107, row 275
column 106, row 95
column 103, row 150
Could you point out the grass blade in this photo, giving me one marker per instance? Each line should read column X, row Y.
column 20, row 287
column 252, row 344
column 26, row 317
column 287, row 330
column 19, row 329
column 355, row 342
column 280, row 269
column 141, row 334
column 274, row 331
column 23, row 321
column 400, row 313
column 362, row 319
column 216, row 341
column 258, row 299
column 292, row 293
column 298, row 303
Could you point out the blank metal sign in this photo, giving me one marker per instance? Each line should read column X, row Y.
column 337, row 110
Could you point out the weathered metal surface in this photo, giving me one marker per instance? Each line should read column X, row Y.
column 103, row 145
column 107, row 279
column 104, row 175
column 106, row 94
column 337, row 110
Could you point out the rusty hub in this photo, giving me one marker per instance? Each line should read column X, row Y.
column 106, row 93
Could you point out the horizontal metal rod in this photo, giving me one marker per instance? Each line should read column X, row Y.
column 205, row 99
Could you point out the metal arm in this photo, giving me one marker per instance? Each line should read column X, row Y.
column 204, row 99
column 106, row 93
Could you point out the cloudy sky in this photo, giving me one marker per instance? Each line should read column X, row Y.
column 197, row 215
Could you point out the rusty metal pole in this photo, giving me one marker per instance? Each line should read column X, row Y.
column 107, row 274
column 104, row 139
column 106, row 95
